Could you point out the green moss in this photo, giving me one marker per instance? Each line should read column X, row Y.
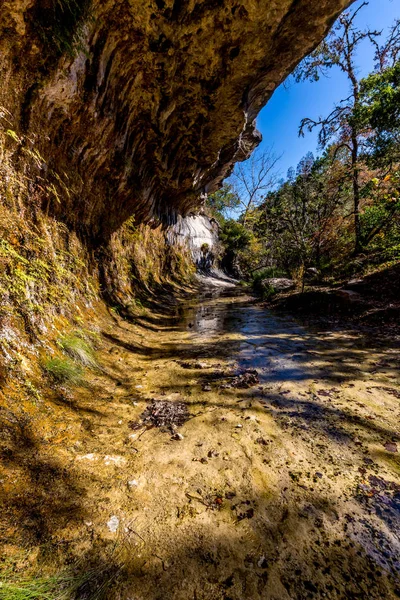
column 32, row 391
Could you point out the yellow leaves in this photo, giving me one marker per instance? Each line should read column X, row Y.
column 13, row 135
column 53, row 190
column 36, row 156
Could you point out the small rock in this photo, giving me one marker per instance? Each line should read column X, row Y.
column 113, row 524
column 391, row 446
column 90, row 456
column 114, row 460
column 177, row 436
column 212, row 453
column 133, row 483
column 206, row 387
column 239, row 426
column 204, row 461
column 278, row 284
column 261, row 441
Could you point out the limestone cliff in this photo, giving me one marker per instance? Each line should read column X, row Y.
column 198, row 233
column 138, row 107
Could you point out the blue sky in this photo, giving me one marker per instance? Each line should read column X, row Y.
column 279, row 120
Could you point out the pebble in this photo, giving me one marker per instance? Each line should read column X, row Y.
column 113, row 524
column 90, row 456
column 114, row 460
column 213, row 453
column 133, row 483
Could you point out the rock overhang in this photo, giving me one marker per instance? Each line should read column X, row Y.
column 146, row 106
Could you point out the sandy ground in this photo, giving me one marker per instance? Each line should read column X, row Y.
column 286, row 490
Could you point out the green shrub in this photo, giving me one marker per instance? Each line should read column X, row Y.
column 267, row 292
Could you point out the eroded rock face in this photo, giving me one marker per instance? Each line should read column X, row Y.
column 198, row 233
column 138, row 107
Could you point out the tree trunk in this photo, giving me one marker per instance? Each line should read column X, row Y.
column 356, row 196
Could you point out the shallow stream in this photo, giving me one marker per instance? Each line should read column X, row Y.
column 283, row 483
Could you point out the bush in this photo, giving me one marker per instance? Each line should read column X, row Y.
column 267, row 292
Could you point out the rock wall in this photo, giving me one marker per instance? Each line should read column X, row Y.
column 140, row 107
column 199, row 234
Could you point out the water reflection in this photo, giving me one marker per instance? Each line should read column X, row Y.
column 273, row 345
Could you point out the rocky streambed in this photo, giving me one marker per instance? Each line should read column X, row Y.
column 222, row 453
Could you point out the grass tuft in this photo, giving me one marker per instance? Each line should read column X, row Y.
column 90, row 583
column 31, row 589
column 64, row 370
column 78, row 349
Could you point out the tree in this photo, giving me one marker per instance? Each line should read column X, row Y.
column 221, row 202
column 299, row 218
column 379, row 113
column 253, row 178
column 235, row 237
column 339, row 49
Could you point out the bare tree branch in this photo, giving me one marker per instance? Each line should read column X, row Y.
column 253, row 178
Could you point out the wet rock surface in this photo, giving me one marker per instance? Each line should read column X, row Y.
column 286, row 489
